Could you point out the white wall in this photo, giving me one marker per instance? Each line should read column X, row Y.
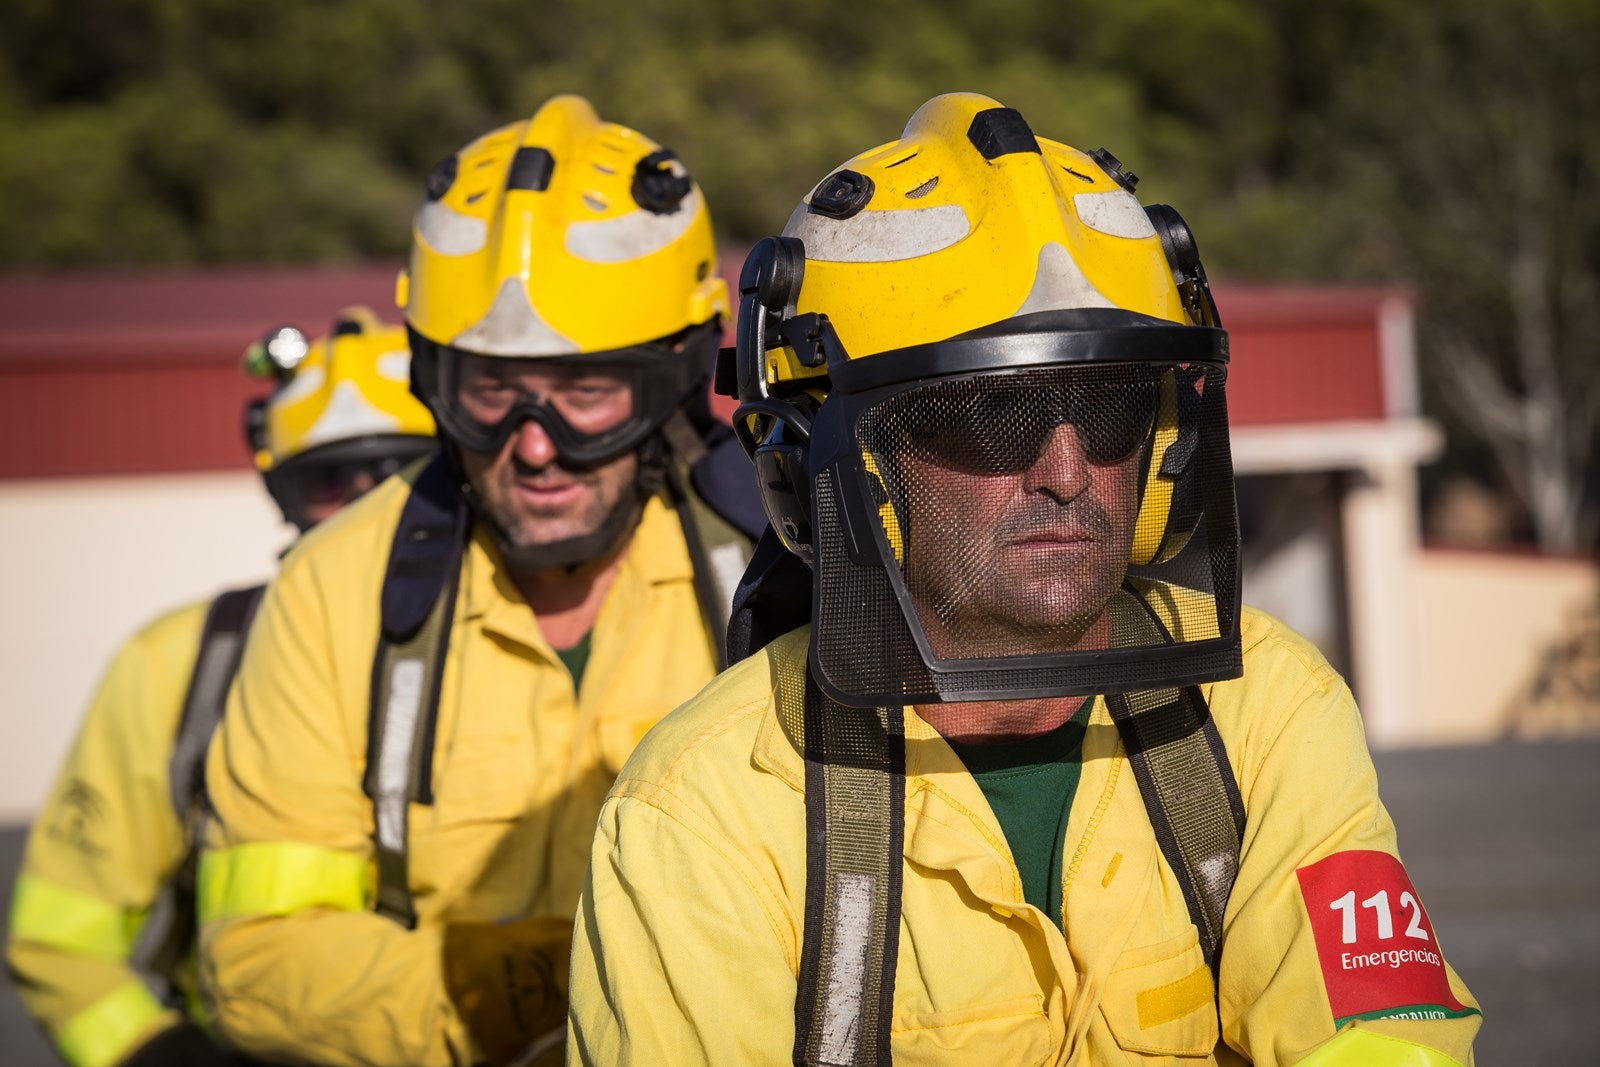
column 1486, row 621
column 86, row 562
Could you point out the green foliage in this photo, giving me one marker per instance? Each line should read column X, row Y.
column 1449, row 146
column 204, row 114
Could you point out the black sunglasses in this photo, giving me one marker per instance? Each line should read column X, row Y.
column 1000, row 425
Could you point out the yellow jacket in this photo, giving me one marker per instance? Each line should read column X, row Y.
column 689, row 933
column 293, row 963
column 100, row 852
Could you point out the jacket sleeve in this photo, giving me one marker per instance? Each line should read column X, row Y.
column 293, row 963
column 1325, row 932
column 682, row 952
column 100, row 852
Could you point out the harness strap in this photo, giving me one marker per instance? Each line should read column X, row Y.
column 718, row 552
column 167, row 933
column 418, row 608
column 712, row 486
column 1187, row 782
column 221, row 646
column 855, row 837
column 1190, row 795
column 855, row 846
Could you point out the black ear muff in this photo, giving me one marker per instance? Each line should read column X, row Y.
column 1183, row 256
column 424, row 366
column 769, row 285
column 780, row 461
column 1170, row 500
column 774, row 432
column 255, row 425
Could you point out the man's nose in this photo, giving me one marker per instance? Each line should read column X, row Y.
column 1062, row 468
column 532, row 444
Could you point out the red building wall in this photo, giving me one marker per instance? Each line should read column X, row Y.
column 120, row 374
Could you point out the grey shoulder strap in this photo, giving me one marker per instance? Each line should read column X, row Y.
column 855, row 836
column 418, row 606
column 168, row 931
column 1190, row 795
column 221, row 646
column 855, row 844
column 1184, row 775
column 718, row 549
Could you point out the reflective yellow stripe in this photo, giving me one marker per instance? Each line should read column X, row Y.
column 50, row 914
column 1150, row 528
column 279, row 878
column 106, row 1030
column 1363, row 1048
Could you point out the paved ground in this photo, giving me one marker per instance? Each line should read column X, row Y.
column 1503, row 843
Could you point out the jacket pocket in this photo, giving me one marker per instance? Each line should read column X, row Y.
column 483, row 780
column 1159, row 999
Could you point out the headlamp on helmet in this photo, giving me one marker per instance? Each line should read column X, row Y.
column 341, row 417
column 277, row 354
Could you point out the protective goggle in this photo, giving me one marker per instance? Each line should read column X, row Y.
column 594, row 408
column 311, row 486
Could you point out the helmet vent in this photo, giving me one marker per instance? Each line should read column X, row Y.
column 907, row 158
column 603, row 169
column 531, row 169
column 473, row 198
column 842, row 194
column 441, row 178
column 595, row 201
column 1078, row 175
column 924, row 189
column 1001, row 131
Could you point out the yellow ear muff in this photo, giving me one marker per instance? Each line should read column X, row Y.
column 1155, row 503
column 887, row 516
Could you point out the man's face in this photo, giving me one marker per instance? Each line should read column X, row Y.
column 525, row 489
column 329, row 495
column 1020, row 561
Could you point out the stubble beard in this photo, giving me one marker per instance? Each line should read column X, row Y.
column 988, row 597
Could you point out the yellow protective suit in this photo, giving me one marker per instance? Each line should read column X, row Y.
column 100, row 852
column 293, row 962
column 689, row 934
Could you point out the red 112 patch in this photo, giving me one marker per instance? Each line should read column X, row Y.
column 1376, row 946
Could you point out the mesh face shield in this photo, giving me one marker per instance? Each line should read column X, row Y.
column 1048, row 526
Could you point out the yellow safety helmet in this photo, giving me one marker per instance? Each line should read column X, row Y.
column 559, row 237
column 961, row 292
column 341, row 416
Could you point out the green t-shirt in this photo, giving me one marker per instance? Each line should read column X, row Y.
column 577, row 658
column 1030, row 785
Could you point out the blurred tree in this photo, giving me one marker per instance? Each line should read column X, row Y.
column 1443, row 145
column 1467, row 137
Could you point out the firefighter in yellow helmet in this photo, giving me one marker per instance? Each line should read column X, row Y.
column 401, row 835
column 342, row 418
column 1031, row 787
column 102, row 932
